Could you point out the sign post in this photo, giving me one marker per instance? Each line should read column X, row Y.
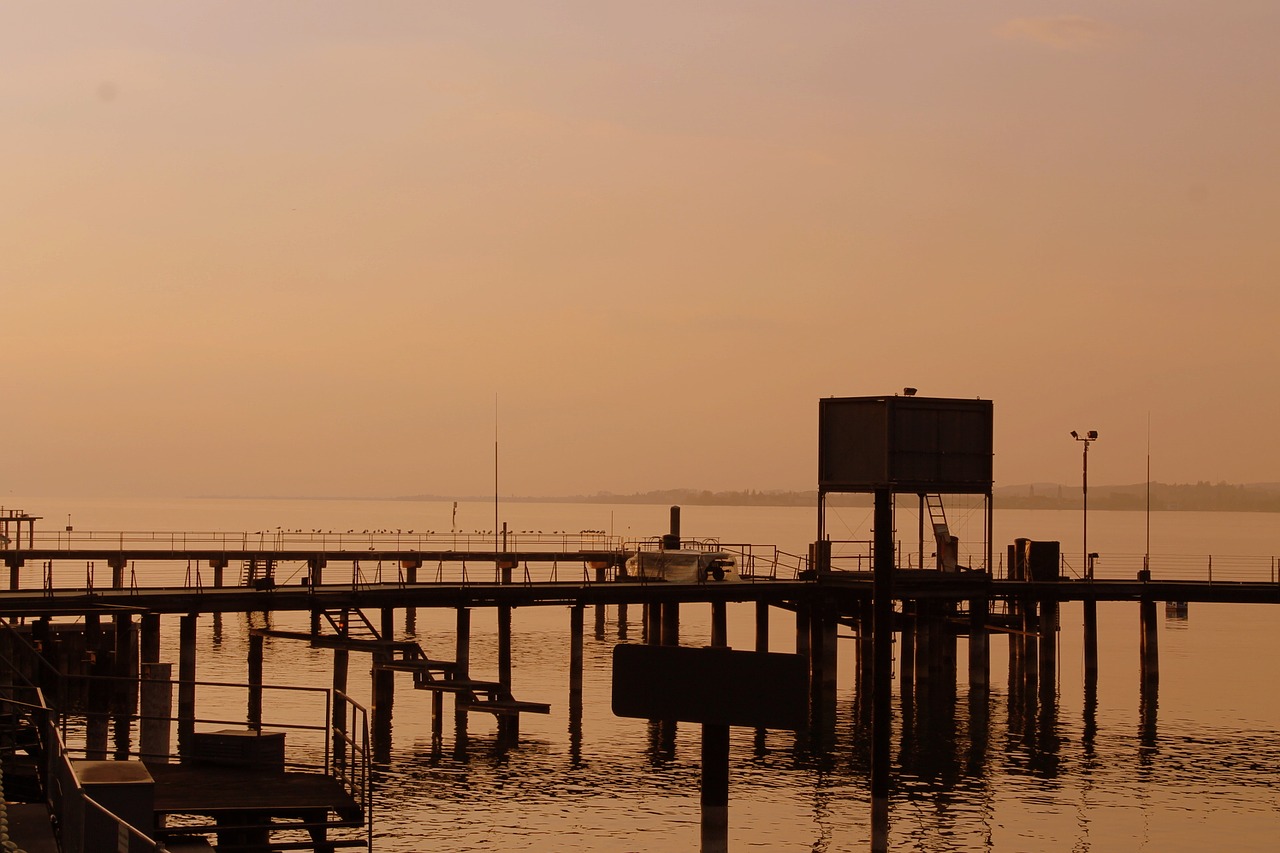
column 717, row 687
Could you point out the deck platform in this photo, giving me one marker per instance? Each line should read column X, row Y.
column 213, row 791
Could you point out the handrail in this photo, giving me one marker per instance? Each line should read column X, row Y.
column 349, row 760
column 323, row 540
column 66, row 797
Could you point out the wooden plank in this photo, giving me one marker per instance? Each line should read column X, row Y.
column 203, row 790
column 508, row 706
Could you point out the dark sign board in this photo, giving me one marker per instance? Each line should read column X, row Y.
column 711, row 685
column 926, row 445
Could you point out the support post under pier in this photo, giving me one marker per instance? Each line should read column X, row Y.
column 186, row 684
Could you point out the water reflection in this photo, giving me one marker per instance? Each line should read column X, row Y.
column 968, row 773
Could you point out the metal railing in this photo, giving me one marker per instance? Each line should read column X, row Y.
column 348, row 761
column 84, row 824
column 339, row 745
column 755, row 562
column 280, row 539
column 1203, row 568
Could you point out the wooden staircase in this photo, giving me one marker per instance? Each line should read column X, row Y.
column 353, row 629
column 258, row 574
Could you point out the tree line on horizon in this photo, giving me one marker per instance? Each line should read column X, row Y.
column 1165, row 497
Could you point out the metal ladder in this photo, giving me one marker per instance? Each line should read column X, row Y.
column 937, row 515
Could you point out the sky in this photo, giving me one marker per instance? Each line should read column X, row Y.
column 322, row 248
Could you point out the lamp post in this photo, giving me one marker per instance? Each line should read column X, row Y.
column 1087, row 438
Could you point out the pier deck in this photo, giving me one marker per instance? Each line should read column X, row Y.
column 587, row 586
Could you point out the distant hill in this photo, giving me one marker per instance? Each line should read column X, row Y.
column 1201, row 497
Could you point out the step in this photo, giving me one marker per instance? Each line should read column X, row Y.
column 508, row 706
column 418, row 665
column 455, row 685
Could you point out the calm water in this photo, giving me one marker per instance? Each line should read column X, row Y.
column 1204, row 773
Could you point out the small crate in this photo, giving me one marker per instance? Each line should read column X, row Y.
column 240, row 748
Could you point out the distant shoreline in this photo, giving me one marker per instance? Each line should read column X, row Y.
column 1164, row 497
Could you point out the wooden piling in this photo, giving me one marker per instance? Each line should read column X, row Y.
column 907, row 650
column 671, row 623
column 93, row 631
column 157, row 711
column 601, row 575
column 508, row 724
column 315, row 571
column 1030, row 648
column 1149, row 649
column 715, row 758
column 462, row 669
column 802, row 629
column 125, row 694
column 186, row 684
column 822, row 662
column 1048, row 653
column 437, row 718
column 622, row 620
column 504, row 646
column 341, row 661
column 653, row 623
column 923, row 612
column 149, row 637
column 384, row 693
column 882, row 709
column 719, row 624
column 1090, row 641
column 762, row 626
column 256, row 643
column 98, row 704
column 979, row 645
column 576, row 619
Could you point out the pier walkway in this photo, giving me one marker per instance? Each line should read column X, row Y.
column 201, row 579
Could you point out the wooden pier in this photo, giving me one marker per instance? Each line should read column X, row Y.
column 353, row 612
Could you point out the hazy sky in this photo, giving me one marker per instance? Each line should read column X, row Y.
column 299, row 248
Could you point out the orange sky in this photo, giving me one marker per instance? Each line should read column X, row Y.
column 299, row 248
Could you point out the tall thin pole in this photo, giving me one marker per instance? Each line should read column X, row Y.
column 495, row 479
column 1088, row 438
column 1088, row 567
column 1146, row 557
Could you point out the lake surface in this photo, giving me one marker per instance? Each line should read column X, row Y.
column 1202, row 772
